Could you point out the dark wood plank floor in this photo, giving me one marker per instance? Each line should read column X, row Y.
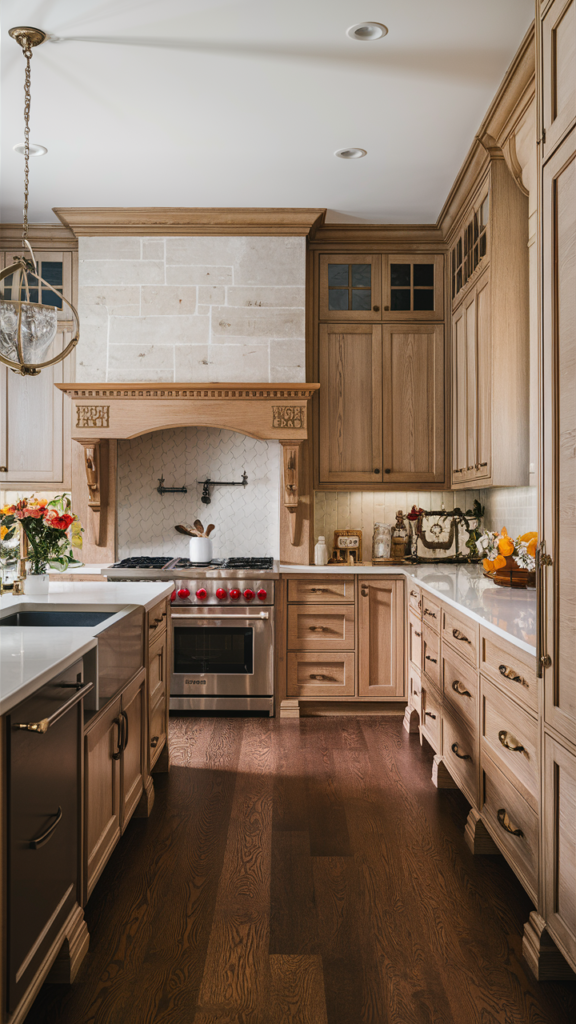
column 304, row 872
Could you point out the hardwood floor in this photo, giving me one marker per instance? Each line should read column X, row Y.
column 303, row 872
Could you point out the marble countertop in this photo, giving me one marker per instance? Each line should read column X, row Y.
column 506, row 611
column 32, row 655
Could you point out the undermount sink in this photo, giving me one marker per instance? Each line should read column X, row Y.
column 55, row 618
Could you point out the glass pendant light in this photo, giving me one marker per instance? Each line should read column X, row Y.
column 28, row 328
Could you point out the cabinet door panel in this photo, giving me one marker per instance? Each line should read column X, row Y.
column 413, row 287
column 350, row 287
column 459, row 398
column 559, row 806
column 102, row 793
column 471, row 386
column 350, row 403
column 483, row 454
column 558, row 71
column 381, row 639
column 413, row 404
column 158, row 729
column 133, row 756
column 157, row 669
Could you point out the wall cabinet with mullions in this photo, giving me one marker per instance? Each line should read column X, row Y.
column 56, row 269
column 380, row 287
column 471, row 247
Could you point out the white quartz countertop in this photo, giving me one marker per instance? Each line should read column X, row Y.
column 32, row 655
column 506, row 611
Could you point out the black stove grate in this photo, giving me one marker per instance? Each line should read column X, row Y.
column 158, row 562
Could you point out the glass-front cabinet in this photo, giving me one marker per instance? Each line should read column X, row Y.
column 381, row 287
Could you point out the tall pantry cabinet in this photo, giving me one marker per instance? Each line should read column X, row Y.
column 553, row 927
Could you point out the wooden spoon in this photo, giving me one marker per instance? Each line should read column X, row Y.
column 198, row 526
column 187, row 530
column 209, row 529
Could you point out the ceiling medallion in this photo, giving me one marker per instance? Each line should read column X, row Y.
column 28, row 328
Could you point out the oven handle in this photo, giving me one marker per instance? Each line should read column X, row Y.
column 204, row 615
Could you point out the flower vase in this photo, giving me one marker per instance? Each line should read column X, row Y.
column 36, row 584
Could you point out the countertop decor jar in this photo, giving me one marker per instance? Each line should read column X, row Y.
column 381, row 542
column 321, row 552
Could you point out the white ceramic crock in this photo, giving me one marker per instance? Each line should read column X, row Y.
column 200, row 549
column 36, row 585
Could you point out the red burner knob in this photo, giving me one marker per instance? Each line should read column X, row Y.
column 234, row 594
column 262, row 595
column 183, row 593
column 173, row 596
column 201, row 594
column 220, row 594
column 249, row 595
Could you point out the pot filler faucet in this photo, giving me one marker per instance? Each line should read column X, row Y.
column 207, row 483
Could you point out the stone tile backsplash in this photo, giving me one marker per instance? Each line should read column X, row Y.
column 246, row 518
column 191, row 309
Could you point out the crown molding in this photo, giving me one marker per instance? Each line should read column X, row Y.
column 381, row 235
column 40, row 236
column 181, row 220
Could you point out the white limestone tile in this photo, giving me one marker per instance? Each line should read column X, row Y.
column 159, row 330
column 199, row 275
column 239, row 362
column 202, row 310
column 192, row 363
column 117, row 272
column 212, row 295
column 267, row 260
column 141, row 374
column 280, row 374
column 168, row 300
column 287, row 353
column 110, row 248
column 256, row 323
column 128, row 362
column 91, row 353
column 152, row 248
column 269, row 296
column 205, row 250
column 96, row 304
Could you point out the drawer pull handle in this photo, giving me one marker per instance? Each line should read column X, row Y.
column 318, row 676
column 317, row 590
column 316, row 629
column 463, row 757
column 120, row 723
column 154, row 741
column 510, row 742
column 417, row 634
column 510, row 673
column 364, row 593
column 429, row 714
column 413, row 593
column 431, row 614
column 461, row 693
column 35, row 844
column 504, row 822
column 460, row 636
column 428, row 658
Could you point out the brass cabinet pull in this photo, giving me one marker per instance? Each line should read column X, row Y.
column 463, row 757
column 461, row 693
column 413, row 593
column 417, row 634
column 431, row 614
column 509, row 742
column 510, row 673
column 428, row 658
column 35, row 844
column 3, row 469
column 316, row 629
column 154, row 741
column 460, row 636
column 429, row 714
column 34, row 726
column 120, row 723
column 504, row 822
column 317, row 675
column 45, row 723
column 317, row 590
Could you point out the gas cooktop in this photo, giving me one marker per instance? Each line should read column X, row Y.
column 164, row 567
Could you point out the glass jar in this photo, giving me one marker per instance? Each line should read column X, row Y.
column 321, row 552
column 381, row 541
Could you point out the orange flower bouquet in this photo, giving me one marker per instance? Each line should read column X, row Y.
column 46, row 525
column 503, row 554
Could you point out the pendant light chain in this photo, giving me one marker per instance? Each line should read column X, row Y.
column 27, row 51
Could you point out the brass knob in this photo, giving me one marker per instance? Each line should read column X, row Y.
column 376, row 309
column 3, row 469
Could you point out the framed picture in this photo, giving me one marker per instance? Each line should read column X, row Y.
column 348, row 540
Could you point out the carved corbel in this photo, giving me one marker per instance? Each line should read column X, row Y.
column 95, row 452
column 291, row 483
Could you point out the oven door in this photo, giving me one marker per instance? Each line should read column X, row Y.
column 225, row 653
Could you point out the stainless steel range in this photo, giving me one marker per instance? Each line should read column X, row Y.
column 222, row 627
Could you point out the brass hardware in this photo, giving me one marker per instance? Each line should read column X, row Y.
column 317, row 590
column 460, row 636
column 431, row 614
column 509, row 741
column 546, row 560
column 316, row 629
column 510, row 673
column 27, row 36
column 463, row 757
column 461, row 693
column 35, row 844
column 417, row 634
column 429, row 714
column 504, row 822
column 317, row 676
column 428, row 658
column 3, row 469
column 376, row 309
column 34, row 726
column 154, row 741
column 413, row 593
column 386, row 309
column 120, row 723
column 545, row 660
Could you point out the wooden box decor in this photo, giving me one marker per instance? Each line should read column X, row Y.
column 510, row 575
column 346, row 542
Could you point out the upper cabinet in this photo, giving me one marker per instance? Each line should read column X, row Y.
column 490, row 336
column 558, row 79
column 381, row 287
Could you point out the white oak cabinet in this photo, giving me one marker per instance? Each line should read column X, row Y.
column 381, row 639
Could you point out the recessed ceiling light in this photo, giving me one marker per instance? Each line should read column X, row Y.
column 352, row 153
column 34, row 149
column 367, row 31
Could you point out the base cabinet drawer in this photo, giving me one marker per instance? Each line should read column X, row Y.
column 318, row 628
column 320, row 675
column 431, row 655
column 510, row 668
column 415, row 599
column 461, row 634
column 509, row 736
column 431, row 612
column 460, row 753
column 320, row 591
column 460, row 685
column 157, row 729
column 415, row 690
column 414, row 640
column 512, row 824
column 431, row 718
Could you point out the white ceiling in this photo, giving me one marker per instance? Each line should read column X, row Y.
column 243, row 102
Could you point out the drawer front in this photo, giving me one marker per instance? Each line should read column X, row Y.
column 510, row 738
column 415, row 599
column 512, row 824
column 157, row 668
column 317, row 628
column 430, row 718
column 461, row 633
column 320, row 675
column 431, row 654
column 509, row 667
column 157, row 734
column 319, row 591
column 460, row 752
column 415, row 690
column 431, row 612
column 460, row 685
column 415, row 640
column 157, row 620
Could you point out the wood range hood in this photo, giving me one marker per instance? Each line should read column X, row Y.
column 105, row 413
